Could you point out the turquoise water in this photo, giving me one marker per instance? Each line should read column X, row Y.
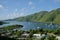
column 31, row 25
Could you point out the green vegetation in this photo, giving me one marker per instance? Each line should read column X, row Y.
column 12, row 27
column 6, row 38
column 51, row 38
column 43, row 16
column 18, row 33
column 33, row 17
column 57, row 32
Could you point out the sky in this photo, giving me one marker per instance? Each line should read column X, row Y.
column 10, row 9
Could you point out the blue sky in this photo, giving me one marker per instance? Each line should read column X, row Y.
column 15, row 8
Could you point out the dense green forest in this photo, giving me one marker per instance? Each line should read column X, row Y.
column 42, row 16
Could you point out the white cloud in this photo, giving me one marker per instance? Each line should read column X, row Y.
column 3, row 8
column 12, row 15
column 30, row 3
column 16, row 10
column 16, row 13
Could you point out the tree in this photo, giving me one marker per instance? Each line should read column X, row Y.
column 18, row 33
column 57, row 31
column 52, row 37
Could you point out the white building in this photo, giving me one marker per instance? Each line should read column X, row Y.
column 58, row 37
column 39, row 35
column 25, row 35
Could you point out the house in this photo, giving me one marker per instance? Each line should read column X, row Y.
column 39, row 35
column 25, row 35
column 3, row 34
column 36, row 35
column 13, row 36
column 58, row 37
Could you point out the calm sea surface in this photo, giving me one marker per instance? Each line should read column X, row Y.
column 31, row 25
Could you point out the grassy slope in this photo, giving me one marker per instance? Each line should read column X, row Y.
column 43, row 16
column 33, row 17
column 51, row 16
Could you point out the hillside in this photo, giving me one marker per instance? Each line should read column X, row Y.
column 33, row 17
column 52, row 16
column 42, row 16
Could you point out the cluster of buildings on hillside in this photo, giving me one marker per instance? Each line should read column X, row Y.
column 26, row 35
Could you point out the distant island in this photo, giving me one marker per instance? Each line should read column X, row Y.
column 42, row 16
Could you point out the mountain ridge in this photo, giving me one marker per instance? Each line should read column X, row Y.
column 42, row 16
